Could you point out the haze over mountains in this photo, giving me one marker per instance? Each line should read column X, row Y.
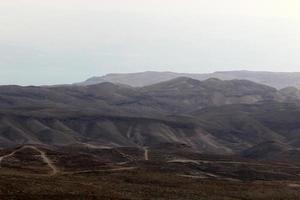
column 182, row 128
column 211, row 116
column 274, row 79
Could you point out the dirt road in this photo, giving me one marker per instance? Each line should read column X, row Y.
column 43, row 155
column 146, row 154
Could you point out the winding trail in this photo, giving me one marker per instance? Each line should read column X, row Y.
column 8, row 155
column 43, row 155
column 47, row 160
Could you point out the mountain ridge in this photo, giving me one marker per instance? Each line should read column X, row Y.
column 211, row 116
column 278, row 80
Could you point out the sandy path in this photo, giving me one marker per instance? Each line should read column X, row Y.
column 103, row 170
column 194, row 177
column 146, row 154
column 47, row 160
column 43, row 155
column 8, row 155
column 294, row 185
column 206, row 162
column 92, row 146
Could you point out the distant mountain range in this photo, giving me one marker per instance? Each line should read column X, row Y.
column 278, row 80
column 211, row 116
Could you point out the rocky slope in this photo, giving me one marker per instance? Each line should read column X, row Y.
column 212, row 116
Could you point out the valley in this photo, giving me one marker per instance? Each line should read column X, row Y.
column 169, row 172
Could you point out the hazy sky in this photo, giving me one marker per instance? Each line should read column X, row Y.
column 65, row 41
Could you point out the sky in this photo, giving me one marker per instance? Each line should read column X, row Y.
column 67, row 41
